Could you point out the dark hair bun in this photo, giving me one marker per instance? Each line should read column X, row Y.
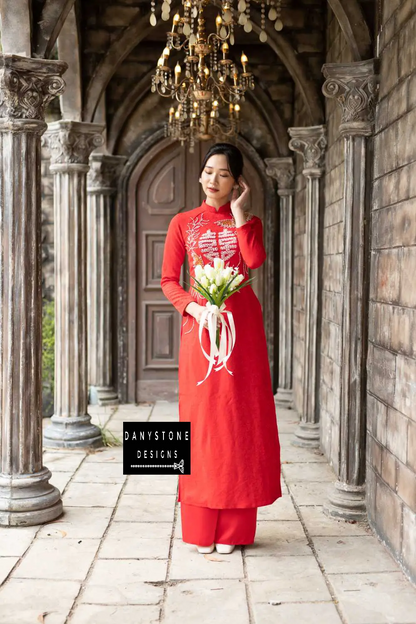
column 233, row 154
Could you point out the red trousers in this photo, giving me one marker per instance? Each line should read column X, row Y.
column 202, row 525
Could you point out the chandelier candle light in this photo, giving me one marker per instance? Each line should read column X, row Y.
column 203, row 84
column 216, row 284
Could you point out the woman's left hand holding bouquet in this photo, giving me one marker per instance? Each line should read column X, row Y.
column 196, row 310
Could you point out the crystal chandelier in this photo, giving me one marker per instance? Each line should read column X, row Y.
column 205, row 84
column 242, row 11
column 201, row 124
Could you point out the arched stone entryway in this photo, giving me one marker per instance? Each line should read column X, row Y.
column 162, row 181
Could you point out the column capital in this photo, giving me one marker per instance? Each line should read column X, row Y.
column 71, row 143
column 354, row 86
column 27, row 86
column 103, row 173
column 310, row 142
column 282, row 170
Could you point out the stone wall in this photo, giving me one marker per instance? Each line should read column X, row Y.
column 48, row 278
column 299, row 228
column 47, row 229
column 391, row 404
column 331, row 260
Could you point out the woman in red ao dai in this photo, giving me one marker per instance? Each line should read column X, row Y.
column 235, row 448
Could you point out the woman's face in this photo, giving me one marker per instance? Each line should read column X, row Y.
column 216, row 178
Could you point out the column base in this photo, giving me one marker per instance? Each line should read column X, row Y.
column 284, row 398
column 307, row 435
column 346, row 502
column 27, row 500
column 72, row 432
column 102, row 395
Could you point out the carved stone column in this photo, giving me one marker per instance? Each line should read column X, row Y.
column 26, row 87
column 354, row 86
column 101, row 186
column 71, row 144
column 310, row 142
column 282, row 170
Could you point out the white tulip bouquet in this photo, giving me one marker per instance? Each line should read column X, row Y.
column 217, row 283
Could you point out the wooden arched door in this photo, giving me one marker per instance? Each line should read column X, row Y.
column 162, row 184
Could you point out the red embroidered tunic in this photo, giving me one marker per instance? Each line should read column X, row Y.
column 235, row 449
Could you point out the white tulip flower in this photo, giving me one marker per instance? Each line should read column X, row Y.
column 209, row 271
column 219, row 280
column 218, row 264
column 204, row 281
column 199, row 271
column 213, row 289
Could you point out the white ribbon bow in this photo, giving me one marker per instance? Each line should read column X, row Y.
column 227, row 335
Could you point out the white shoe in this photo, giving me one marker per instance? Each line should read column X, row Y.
column 225, row 549
column 206, row 549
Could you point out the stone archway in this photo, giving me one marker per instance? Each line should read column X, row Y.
column 153, row 190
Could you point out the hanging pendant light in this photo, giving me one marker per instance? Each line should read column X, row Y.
column 214, row 84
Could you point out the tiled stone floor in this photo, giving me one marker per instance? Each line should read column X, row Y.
column 116, row 555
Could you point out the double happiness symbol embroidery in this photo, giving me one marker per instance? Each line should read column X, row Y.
column 218, row 244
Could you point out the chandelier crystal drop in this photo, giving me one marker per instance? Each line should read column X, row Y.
column 232, row 9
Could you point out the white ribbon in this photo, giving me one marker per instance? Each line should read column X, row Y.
column 227, row 336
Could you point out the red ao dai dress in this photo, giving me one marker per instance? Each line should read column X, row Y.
column 235, row 448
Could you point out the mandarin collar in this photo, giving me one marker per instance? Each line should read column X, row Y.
column 224, row 208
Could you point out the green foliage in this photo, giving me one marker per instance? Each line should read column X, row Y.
column 48, row 356
column 109, row 439
column 48, row 343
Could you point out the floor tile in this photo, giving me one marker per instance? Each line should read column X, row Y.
column 15, row 540
column 317, row 523
column 6, row 566
column 294, row 473
column 188, row 563
column 60, row 480
column 124, row 582
column 295, row 454
column 113, row 455
column 383, row 598
column 281, row 509
column 127, row 540
column 206, row 602
column 151, row 484
column 104, row 472
column 296, row 613
column 59, row 559
column 353, row 554
column 92, row 494
column 145, row 508
column 36, row 598
column 102, row 614
column 78, row 522
column 310, row 492
column 62, row 461
column 279, row 538
column 286, row 579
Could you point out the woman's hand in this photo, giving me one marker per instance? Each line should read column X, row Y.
column 196, row 310
column 238, row 203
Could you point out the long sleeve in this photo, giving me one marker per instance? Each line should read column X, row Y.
column 250, row 239
column 173, row 257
